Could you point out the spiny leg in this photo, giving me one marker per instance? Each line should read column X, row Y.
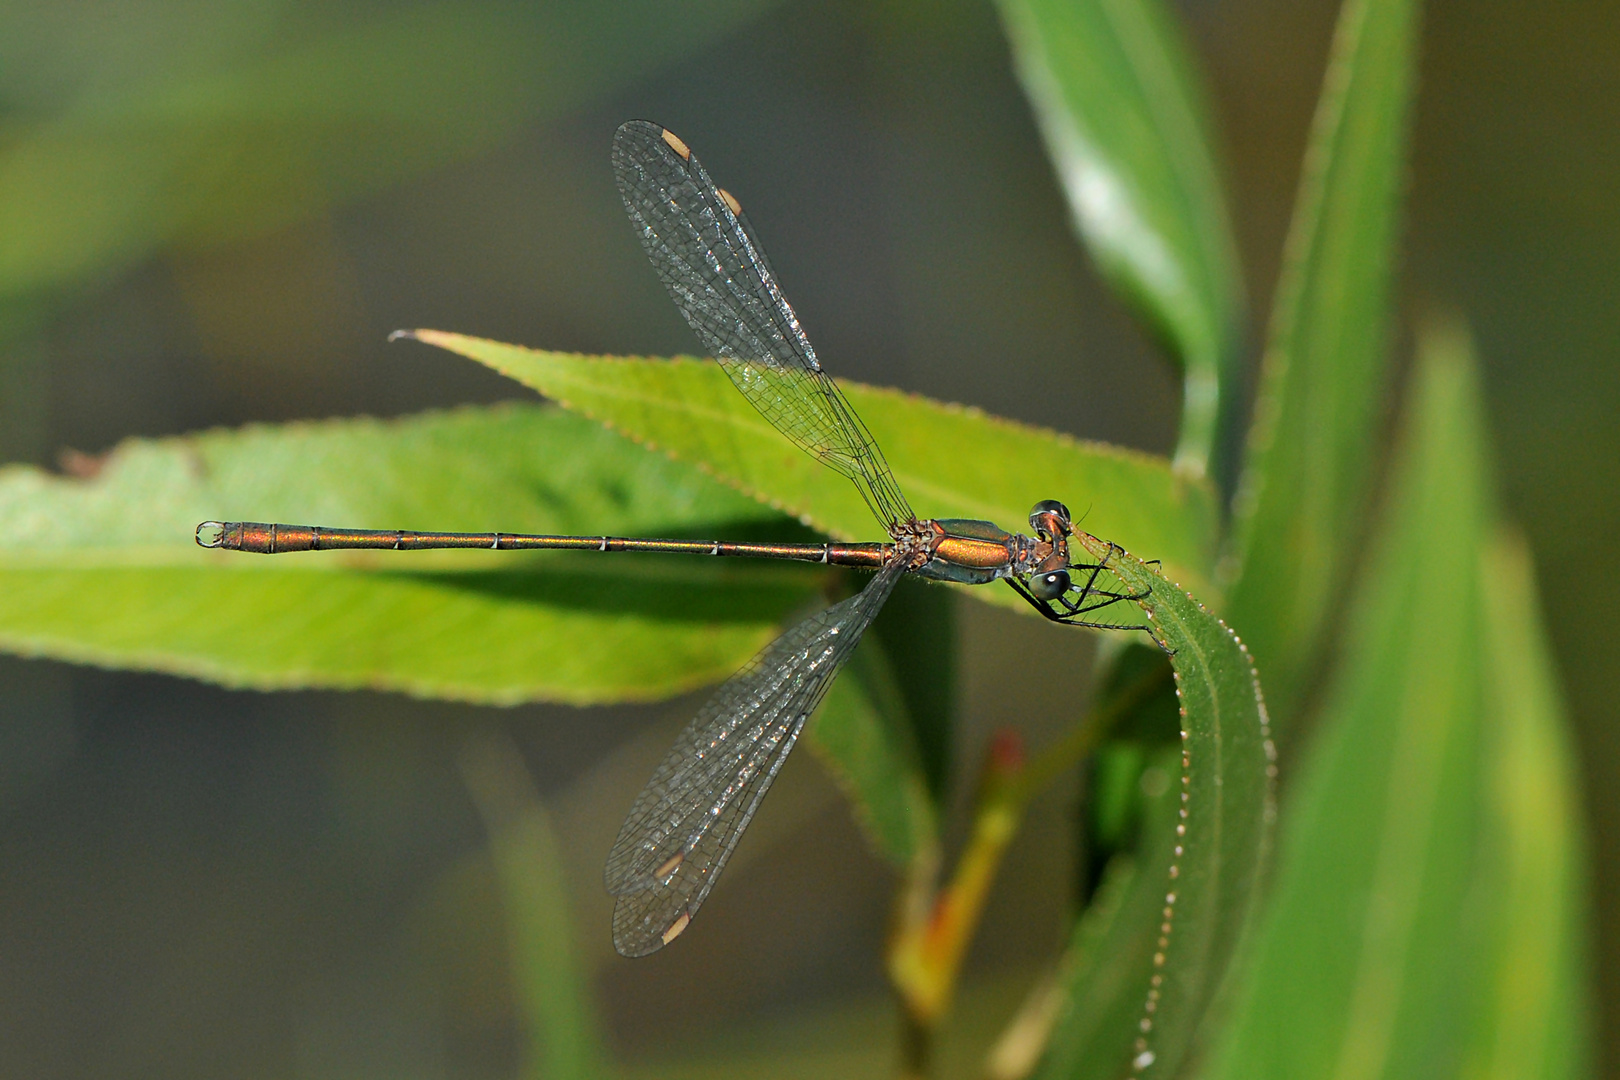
column 1105, row 597
column 1089, row 589
column 1070, row 616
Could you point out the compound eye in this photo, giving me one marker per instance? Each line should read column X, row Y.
column 1050, row 506
column 1050, row 585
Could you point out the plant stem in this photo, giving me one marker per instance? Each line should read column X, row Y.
column 934, row 925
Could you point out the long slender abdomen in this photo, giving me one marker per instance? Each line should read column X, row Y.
column 265, row 538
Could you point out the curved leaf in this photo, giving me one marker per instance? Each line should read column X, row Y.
column 1117, row 99
column 1314, row 441
column 1196, row 899
column 951, row 461
column 105, row 571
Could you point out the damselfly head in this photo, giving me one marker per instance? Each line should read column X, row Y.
column 1050, row 520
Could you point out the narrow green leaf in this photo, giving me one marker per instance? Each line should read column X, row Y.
column 1431, row 824
column 105, row 571
column 951, row 461
column 1194, row 898
column 1536, row 1013
column 863, row 735
column 1314, row 441
column 563, row 1039
column 1118, row 101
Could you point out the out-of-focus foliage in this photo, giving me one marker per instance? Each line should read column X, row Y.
column 270, row 111
column 1312, row 448
column 564, row 1041
column 1410, row 823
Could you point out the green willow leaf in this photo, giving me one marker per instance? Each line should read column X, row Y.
column 1432, row 823
column 1314, row 441
column 1536, row 1014
column 105, row 571
column 951, row 461
column 1194, row 898
column 563, row 1036
column 1116, row 94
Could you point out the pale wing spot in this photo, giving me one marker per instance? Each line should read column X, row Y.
column 731, row 200
column 676, row 145
column 676, row 927
column 669, row 866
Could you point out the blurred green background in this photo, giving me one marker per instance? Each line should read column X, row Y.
column 213, row 214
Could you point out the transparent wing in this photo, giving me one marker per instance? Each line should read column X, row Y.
column 689, row 817
column 703, row 248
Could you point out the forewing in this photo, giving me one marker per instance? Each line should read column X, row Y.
column 706, row 253
column 689, row 817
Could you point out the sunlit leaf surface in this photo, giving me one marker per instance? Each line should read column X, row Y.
column 105, row 571
column 1118, row 102
column 951, row 461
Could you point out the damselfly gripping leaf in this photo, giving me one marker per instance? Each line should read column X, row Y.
column 688, row 819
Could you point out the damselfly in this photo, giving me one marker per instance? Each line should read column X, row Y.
column 689, row 817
